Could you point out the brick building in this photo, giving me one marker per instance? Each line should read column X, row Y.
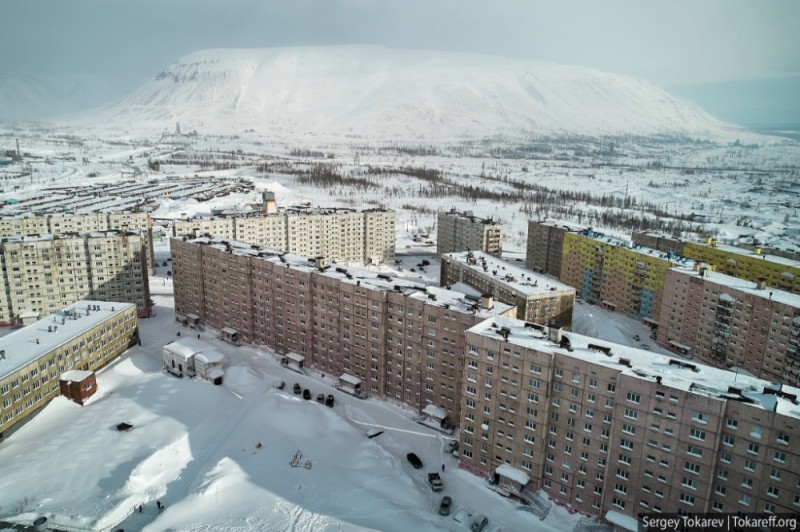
column 463, row 231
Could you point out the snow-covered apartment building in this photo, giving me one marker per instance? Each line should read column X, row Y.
column 463, row 231
column 45, row 273
column 62, row 224
column 403, row 340
column 342, row 235
column 545, row 246
column 732, row 323
column 608, row 428
column 601, row 427
column 85, row 336
column 538, row 299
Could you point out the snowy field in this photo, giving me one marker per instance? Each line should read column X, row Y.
column 195, row 448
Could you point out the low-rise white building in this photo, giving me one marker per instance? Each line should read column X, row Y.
column 190, row 357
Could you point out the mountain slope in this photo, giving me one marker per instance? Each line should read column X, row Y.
column 373, row 91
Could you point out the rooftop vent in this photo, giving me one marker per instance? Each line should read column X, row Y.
column 625, row 362
column 601, row 348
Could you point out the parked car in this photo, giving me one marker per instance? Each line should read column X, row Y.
column 307, row 394
column 445, row 505
column 279, row 385
column 321, row 398
column 414, row 460
column 479, row 522
column 329, row 401
column 296, row 389
column 450, row 446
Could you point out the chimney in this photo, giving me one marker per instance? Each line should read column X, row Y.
column 554, row 334
column 761, row 283
column 486, row 301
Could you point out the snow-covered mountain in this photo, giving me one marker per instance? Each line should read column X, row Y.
column 24, row 97
column 370, row 91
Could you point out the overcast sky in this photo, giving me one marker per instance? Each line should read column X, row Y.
column 694, row 43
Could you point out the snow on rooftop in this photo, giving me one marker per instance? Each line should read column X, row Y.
column 187, row 347
column 517, row 277
column 75, row 375
column 32, row 342
column 678, row 374
column 744, row 286
column 637, row 248
column 212, row 356
column 752, row 254
column 622, row 520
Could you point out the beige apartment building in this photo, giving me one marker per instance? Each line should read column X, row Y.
column 463, row 231
column 58, row 224
column 538, row 299
column 403, row 340
column 341, row 235
column 546, row 246
column 607, row 428
column 86, row 335
column 42, row 274
column 732, row 323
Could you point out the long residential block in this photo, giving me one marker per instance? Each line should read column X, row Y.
column 42, row 274
column 342, row 235
column 607, row 429
column 732, row 323
column 545, row 246
column 405, row 341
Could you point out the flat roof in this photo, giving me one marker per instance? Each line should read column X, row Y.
column 674, row 371
column 515, row 277
column 187, row 347
column 752, row 254
column 637, row 248
column 32, row 342
column 346, row 377
column 744, row 286
column 443, row 297
column 505, row 470
column 75, row 375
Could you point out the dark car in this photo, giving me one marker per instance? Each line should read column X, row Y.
column 329, row 401
column 321, row 398
column 414, row 460
column 279, row 385
column 307, row 394
column 296, row 389
column 445, row 505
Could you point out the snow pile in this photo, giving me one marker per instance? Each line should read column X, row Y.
column 370, row 91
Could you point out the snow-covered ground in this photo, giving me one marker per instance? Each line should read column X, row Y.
column 195, row 448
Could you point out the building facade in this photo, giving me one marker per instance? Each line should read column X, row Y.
column 538, row 299
column 342, row 235
column 546, row 246
column 658, row 241
column 41, row 274
column 602, row 427
column 403, row 340
column 58, row 224
column 86, row 336
column 463, row 231
column 619, row 276
column 732, row 323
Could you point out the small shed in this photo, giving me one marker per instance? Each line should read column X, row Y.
column 208, row 366
column 621, row 521
column 231, row 335
column 28, row 317
column 77, row 385
column 295, row 361
column 352, row 385
column 189, row 357
column 511, row 478
column 193, row 320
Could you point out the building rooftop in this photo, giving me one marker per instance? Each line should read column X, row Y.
column 29, row 343
column 469, row 215
column 65, row 236
column 291, row 210
column 752, row 254
column 563, row 225
column 434, row 295
column 515, row 277
column 742, row 285
column 665, row 255
column 671, row 371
